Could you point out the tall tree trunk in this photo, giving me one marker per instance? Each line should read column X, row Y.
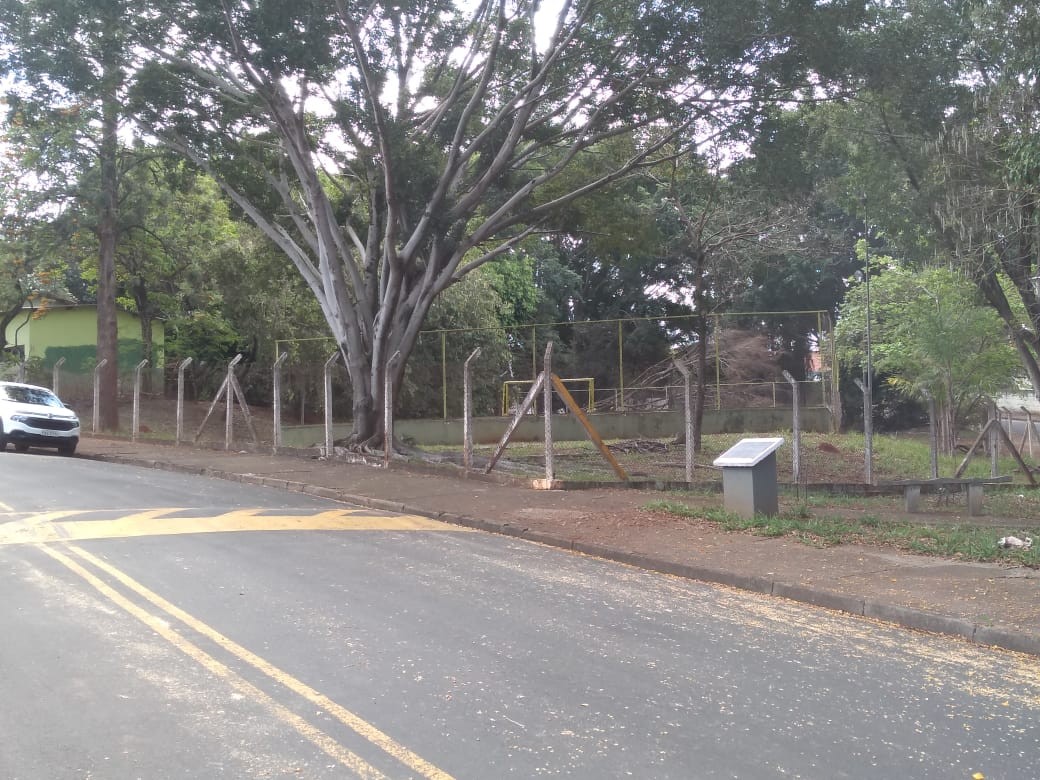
column 945, row 434
column 6, row 318
column 947, row 422
column 147, row 351
column 366, row 387
column 369, row 397
column 1028, row 358
column 1026, row 344
column 107, row 335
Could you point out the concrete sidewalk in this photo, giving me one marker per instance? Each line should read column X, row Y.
column 985, row 603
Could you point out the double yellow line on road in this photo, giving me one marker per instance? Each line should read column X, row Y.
column 361, row 768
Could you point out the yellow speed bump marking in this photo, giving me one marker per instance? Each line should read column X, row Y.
column 34, row 528
column 354, row 722
column 52, row 527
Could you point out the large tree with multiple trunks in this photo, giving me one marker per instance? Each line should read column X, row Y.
column 389, row 150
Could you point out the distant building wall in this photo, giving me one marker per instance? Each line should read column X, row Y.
column 71, row 332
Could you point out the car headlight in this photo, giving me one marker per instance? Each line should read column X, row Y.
column 20, row 417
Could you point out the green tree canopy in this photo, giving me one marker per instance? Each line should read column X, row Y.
column 929, row 331
column 391, row 150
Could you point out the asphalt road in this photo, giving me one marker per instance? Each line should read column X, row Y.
column 157, row 625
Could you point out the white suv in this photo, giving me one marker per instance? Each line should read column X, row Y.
column 34, row 416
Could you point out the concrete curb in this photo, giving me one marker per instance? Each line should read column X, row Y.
column 905, row 617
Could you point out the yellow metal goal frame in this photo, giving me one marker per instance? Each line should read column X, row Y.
column 588, row 381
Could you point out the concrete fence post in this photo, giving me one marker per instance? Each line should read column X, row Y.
column 276, row 400
column 180, row 400
column 229, row 420
column 933, row 437
column 994, row 440
column 136, row 424
column 327, row 374
column 687, row 416
column 444, row 374
column 388, row 408
column 467, row 412
column 796, row 428
column 21, row 371
column 1030, row 430
column 56, row 376
column 868, row 431
column 547, row 391
column 97, row 394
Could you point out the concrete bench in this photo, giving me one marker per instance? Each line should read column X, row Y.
column 914, row 488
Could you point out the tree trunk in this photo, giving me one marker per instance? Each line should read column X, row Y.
column 395, row 334
column 146, row 352
column 1028, row 359
column 6, row 318
column 994, row 294
column 946, row 424
column 946, row 430
column 107, row 333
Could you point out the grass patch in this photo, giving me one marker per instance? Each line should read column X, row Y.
column 962, row 542
column 825, row 458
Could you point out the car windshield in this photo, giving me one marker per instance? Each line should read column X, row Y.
column 31, row 395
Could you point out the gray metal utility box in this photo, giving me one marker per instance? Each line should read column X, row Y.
column 749, row 477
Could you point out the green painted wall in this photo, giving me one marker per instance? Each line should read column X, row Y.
column 71, row 332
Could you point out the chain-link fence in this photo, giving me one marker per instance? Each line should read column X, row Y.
column 624, row 365
column 155, row 390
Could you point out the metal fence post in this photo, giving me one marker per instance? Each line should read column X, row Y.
column 467, row 412
column 97, row 394
column 180, row 400
column 796, row 428
column 276, row 392
column 136, row 424
column 868, row 431
column 56, row 376
column 547, row 391
column 687, row 416
column 328, row 401
column 388, row 409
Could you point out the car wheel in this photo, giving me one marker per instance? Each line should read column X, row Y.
column 67, row 449
column 20, row 447
column 3, row 439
